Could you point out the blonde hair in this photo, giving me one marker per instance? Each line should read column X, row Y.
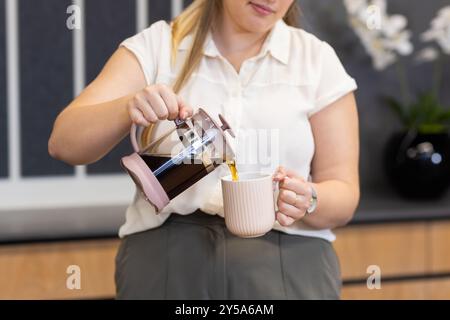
column 197, row 19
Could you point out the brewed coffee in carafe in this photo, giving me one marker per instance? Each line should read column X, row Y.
column 175, row 178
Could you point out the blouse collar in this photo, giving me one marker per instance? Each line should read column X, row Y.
column 277, row 43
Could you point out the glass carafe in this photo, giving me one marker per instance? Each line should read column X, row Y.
column 174, row 161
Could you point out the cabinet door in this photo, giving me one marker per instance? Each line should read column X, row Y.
column 438, row 289
column 40, row 271
column 411, row 290
column 440, row 246
column 398, row 249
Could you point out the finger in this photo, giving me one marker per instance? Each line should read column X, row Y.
column 145, row 109
column 158, row 105
column 298, row 201
column 170, row 100
column 292, row 174
column 279, row 174
column 288, row 196
column 284, row 220
column 298, row 186
column 290, row 211
column 137, row 117
column 185, row 110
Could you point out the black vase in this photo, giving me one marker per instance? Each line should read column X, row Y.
column 418, row 165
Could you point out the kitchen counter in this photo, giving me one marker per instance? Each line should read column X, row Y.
column 384, row 206
column 376, row 206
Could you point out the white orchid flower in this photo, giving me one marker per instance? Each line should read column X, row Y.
column 440, row 30
column 381, row 57
column 400, row 43
column 381, row 6
column 394, row 24
column 354, row 7
column 428, row 54
column 383, row 42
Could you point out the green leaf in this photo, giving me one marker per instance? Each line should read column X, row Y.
column 426, row 115
column 432, row 128
column 444, row 116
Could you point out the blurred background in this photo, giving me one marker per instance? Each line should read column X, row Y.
column 53, row 215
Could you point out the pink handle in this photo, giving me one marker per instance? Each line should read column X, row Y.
column 134, row 130
column 146, row 181
column 133, row 133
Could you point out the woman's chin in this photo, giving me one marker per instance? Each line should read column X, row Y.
column 258, row 25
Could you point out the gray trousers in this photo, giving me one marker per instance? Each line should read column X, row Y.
column 196, row 257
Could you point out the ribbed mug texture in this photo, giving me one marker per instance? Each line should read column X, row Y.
column 249, row 204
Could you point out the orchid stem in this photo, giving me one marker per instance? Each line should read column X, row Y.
column 437, row 76
column 403, row 80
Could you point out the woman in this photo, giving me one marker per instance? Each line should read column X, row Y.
column 244, row 59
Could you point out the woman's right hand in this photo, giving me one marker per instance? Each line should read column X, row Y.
column 157, row 102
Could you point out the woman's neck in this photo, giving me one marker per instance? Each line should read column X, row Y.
column 235, row 44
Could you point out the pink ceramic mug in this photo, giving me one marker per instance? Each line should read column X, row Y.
column 249, row 204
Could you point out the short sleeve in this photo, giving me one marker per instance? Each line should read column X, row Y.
column 333, row 80
column 146, row 45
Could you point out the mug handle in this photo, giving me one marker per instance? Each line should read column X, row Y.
column 276, row 190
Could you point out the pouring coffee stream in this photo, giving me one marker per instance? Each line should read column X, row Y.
column 234, row 173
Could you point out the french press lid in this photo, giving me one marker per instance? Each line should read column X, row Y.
column 200, row 120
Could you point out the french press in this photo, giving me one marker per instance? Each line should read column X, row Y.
column 167, row 166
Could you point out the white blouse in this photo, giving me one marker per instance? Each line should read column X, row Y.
column 268, row 105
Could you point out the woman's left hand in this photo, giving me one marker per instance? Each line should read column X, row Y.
column 294, row 196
